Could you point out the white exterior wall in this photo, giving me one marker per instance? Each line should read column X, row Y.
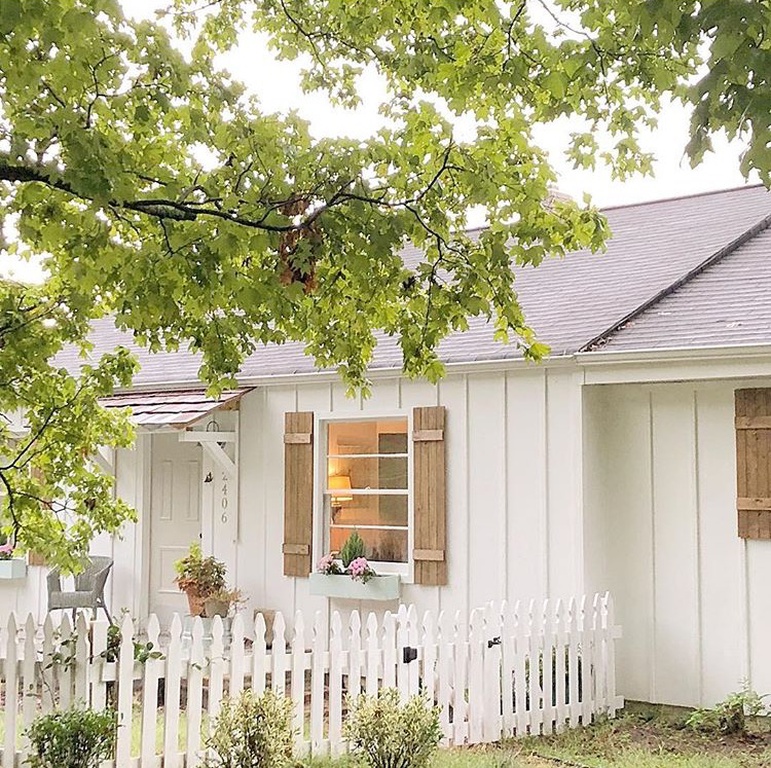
column 661, row 534
column 513, row 483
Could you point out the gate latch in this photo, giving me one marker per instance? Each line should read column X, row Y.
column 409, row 654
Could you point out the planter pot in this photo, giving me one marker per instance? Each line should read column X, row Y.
column 195, row 603
column 15, row 568
column 213, row 608
column 345, row 588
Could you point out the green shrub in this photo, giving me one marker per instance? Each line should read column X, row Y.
column 729, row 717
column 352, row 548
column 252, row 732
column 388, row 734
column 73, row 738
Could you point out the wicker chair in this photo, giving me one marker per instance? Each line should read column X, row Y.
column 89, row 588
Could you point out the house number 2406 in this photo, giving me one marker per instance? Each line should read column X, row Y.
column 224, row 502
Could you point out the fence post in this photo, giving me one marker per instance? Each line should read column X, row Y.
column 354, row 655
column 389, row 650
column 336, row 686
column 428, row 662
column 125, row 684
column 298, row 682
column 194, row 707
column 547, row 661
column 82, row 653
column 29, row 681
column 278, row 655
column 574, row 664
column 152, row 672
column 47, row 676
column 560, row 667
column 237, row 656
column 508, row 656
column 64, row 667
column 491, row 649
column 459, row 704
column 259, row 655
column 444, row 672
column 374, row 661
column 11, row 693
column 171, row 692
column 476, row 677
column 318, row 653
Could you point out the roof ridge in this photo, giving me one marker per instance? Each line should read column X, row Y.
column 689, row 196
column 719, row 255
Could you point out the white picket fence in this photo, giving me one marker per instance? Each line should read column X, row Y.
column 508, row 670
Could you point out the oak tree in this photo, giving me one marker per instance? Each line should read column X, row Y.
column 158, row 191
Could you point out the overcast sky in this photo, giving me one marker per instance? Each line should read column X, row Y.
column 277, row 85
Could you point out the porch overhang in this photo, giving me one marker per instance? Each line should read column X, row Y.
column 177, row 410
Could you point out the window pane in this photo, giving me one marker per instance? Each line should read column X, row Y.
column 366, row 510
column 385, row 546
column 356, row 438
column 375, row 472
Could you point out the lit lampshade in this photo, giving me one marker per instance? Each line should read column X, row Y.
column 339, row 485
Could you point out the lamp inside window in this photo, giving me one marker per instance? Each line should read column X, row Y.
column 340, row 492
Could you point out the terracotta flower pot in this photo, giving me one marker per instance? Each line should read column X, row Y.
column 195, row 603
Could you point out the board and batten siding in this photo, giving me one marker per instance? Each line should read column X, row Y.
column 513, row 487
column 661, row 534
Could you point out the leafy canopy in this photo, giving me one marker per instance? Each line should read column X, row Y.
column 158, row 191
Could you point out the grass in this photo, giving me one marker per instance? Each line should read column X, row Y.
column 642, row 737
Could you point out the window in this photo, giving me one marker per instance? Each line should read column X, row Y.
column 385, row 477
column 366, row 489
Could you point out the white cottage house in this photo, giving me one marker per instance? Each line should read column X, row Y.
column 612, row 465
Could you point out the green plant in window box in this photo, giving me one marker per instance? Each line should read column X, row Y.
column 354, row 564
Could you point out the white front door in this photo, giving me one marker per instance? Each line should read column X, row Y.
column 175, row 519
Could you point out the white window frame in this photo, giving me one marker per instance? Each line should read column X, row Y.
column 322, row 420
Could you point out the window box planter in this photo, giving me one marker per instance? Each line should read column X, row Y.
column 345, row 588
column 15, row 568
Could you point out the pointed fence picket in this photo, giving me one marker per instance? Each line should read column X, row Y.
column 508, row 670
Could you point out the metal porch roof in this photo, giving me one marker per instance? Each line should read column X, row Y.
column 151, row 410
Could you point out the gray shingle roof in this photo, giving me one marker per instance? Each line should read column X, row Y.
column 727, row 304
column 569, row 302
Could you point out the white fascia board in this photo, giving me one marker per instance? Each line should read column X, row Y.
column 682, row 364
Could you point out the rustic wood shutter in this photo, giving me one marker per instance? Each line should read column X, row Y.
column 430, row 552
column 753, row 462
column 298, row 493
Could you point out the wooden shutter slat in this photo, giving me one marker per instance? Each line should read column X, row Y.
column 753, row 422
column 297, row 438
column 427, row 435
column 434, row 555
column 755, row 504
column 298, row 493
column 753, row 462
column 429, row 481
column 296, row 549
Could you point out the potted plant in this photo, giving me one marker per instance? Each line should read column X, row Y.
column 199, row 578
column 350, row 575
column 220, row 603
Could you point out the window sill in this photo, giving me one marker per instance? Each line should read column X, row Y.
column 12, row 569
column 384, row 587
